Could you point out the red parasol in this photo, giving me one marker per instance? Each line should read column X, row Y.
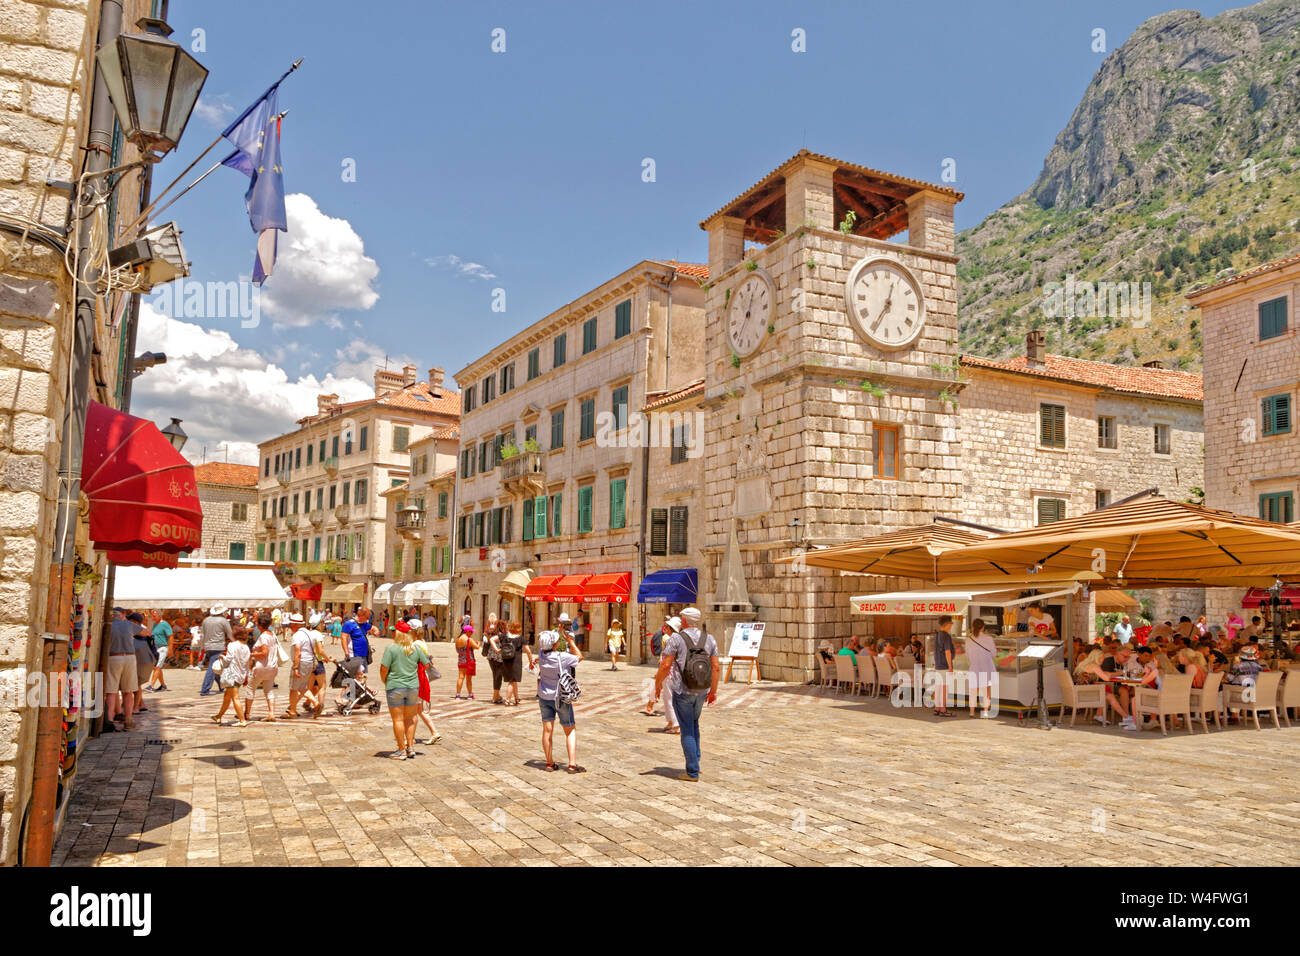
column 143, row 494
column 307, row 592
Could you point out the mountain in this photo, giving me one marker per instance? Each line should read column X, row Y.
column 1180, row 164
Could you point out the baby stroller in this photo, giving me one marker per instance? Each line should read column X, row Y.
column 355, row 693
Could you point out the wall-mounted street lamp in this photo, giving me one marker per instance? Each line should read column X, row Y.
column 175, row 434
column 796, row 532
column 145, row 361
column 156, row 258
column 153, row 83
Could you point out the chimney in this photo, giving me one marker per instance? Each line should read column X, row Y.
column 408, row 375
column 387, row 383
column 1154, row 363
column 1036, row 347
column 435, row 378
column 326, row 402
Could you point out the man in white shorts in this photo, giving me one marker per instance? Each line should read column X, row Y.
column 303, row 661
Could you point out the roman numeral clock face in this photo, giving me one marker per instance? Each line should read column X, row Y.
column 885, row 302
column 750, row 313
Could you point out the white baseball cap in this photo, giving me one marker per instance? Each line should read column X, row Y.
column 564, row 618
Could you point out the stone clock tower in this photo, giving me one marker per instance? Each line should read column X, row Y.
column 831, row 389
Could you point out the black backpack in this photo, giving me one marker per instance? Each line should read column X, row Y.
column 697, row 668
column 507, row 644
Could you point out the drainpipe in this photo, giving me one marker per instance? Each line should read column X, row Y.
column 39, row 844
column 667, row 289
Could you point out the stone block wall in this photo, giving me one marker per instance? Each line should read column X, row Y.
column 220, row 529
column 43, row 86
column 1242, row 463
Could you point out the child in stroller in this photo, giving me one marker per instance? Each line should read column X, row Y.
column 350, row 675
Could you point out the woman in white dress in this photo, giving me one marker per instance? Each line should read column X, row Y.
column 980, row 650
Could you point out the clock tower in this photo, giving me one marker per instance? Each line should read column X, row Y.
column 831, row 395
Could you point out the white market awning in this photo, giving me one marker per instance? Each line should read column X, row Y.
column 184, row 588
column 934, row 603
column 385, row 593
column 425, row 592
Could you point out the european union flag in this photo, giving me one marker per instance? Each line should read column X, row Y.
column 256, row 135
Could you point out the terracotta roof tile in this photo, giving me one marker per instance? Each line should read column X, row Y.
column 696, row 270
column 667, row 398
column 224, row 473
column 1127, row 380
column 415, row 397
column 1243, row 276
column 452, row 431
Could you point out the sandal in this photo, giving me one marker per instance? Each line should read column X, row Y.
column 550, row 767
column 574, row 768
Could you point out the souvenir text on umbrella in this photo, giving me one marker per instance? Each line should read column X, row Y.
column 143, row 494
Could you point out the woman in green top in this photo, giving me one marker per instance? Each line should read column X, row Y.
column 399, row 669
column 162, row 632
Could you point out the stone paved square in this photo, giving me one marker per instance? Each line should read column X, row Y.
column 792, row 775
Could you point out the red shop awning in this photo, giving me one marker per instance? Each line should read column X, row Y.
column 141, row 559
column 539, row 588
column 143, row 495
column 608, row 588
column 306, row 592
column 568, row 590
column 1260, row 597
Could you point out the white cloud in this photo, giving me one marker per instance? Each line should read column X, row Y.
column 471, row 270
column 228, row 395
column 359, row 359
column 214, row 110
column 321, row 268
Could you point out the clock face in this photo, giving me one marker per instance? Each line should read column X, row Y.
column 752, row 310
column 885, row 302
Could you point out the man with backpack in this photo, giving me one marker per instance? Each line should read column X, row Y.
column 690, row 665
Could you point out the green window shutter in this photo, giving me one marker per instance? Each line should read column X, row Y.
column 584, row 509
column 261, row 551
column 237, row 551
column 1277, row 414
column 623, row 319
column 1050, row 509
column 446, row 557
column 658, row 530
column 528, row 519
column 1051, row 419
column 557, row 525
column 539, row 517
column 1272, row 318
column 618, row 503
column 677, row 527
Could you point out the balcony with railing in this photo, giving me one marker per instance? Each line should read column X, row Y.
column 331, row 465
column 342, row 513
column 283, row 476
column 524, row 473
column 317, row 517
column 410, row 522
column 291, row 522
column 269, row 522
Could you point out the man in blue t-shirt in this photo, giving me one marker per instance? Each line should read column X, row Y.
column 357, row 631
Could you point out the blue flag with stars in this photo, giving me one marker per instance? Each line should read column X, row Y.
column 256, row 136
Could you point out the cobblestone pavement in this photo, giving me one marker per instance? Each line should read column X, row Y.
column 791, row 775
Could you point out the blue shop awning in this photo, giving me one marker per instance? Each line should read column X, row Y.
column 671, row 586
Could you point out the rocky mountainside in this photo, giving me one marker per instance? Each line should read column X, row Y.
column 1180, row 164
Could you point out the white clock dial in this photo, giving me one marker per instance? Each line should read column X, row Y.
column 751, row 311
column 885, row 302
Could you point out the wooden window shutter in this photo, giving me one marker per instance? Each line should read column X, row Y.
column 658, row 530
column 677, row 529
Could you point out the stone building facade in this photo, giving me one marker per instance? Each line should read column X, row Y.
column 1046, row 437
column 44, row 86
column 1252, row 384
column 319, row 487
column 551, row 476
column 228, row 494
column 821, row 421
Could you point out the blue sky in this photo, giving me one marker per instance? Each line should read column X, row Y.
column 525, row 166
